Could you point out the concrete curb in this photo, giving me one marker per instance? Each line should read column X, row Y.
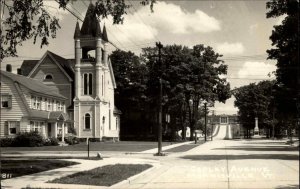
column 130, row 179
column 154, row 150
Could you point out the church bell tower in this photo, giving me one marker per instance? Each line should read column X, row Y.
column 92, row 104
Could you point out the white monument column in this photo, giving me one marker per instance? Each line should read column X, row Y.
column 256, row 130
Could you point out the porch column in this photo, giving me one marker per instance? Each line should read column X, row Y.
column 55, row 129
column 43, row 128
column 63, row 132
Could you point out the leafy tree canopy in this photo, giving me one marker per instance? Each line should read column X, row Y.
column 255, row 100
column 285, row 41
column 31, row 19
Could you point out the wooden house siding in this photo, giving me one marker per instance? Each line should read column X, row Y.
column 50, row 67
column 60, row 81
column 17, row 110
column 64, row 90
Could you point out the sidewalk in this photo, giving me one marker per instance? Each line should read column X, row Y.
column 40, row 179
column 226, row 164
column 82, row 154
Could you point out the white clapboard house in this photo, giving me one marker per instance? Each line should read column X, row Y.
column 55, row 93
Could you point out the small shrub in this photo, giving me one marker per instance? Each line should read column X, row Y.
column 6, row 142
column 51, row 142
column 28, row 139
column 71, row 140
column 71, row 129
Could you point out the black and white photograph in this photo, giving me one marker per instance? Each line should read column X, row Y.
column 149, row 94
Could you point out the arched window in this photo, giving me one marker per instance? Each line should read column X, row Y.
column 87, row 84
column 87, row 121
column 48, row 77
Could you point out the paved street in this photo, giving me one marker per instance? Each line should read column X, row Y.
column 227, row 164
column 218, row 164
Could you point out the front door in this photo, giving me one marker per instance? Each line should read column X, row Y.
column 49, row 129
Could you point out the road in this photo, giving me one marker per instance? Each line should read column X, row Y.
column 241, row 164
column 218, row 164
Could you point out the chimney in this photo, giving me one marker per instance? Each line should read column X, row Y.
column 8, row 67
column 19, row 71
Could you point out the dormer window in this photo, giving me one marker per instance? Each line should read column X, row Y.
column 48, row 77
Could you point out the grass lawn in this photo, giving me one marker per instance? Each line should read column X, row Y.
column 16, row 168
column 103, row 176
column 184, row 148
column 124, row 146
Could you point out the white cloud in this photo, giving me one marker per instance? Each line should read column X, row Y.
column 230, row 48
column 143, row 25
column 174, row 19
column 256, row 70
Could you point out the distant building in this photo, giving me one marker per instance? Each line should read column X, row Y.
column 83, row 86
column 225, row 119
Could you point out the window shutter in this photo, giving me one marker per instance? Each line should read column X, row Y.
column 18, row 127
column 9, row 101
column 6, row 128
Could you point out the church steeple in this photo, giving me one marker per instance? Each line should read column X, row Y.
column 77, row 31
column 104, row 34
column 90, row 26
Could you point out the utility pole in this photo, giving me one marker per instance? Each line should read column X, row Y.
column 205, row 106
column 212, row 123
column 159, row 153
column 1, row 21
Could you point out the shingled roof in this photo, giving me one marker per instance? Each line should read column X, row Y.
column 77, row 31
column 67, row 64
column 91, row 25
column 104, row 35
column 33, row 85
column 27, row 66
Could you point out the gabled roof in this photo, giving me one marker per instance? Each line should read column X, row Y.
column 112, row 74
column 58, row 115
column 29, row 66
column 91, row 25
column 33, row 85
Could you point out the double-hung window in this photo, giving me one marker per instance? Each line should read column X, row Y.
column 6, row 101
column 36, row 126
column 36, row 102
column 49, row 105
column 11, row 127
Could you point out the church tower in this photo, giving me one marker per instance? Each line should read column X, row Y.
column 94, row 111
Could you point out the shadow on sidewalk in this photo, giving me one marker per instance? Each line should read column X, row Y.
column 257, row 148
column 242, row 157
column 294, row 186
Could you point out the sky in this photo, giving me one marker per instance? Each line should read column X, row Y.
column 239, row 30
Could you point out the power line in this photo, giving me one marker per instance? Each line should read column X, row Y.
column 71, row 12
column 146, row 26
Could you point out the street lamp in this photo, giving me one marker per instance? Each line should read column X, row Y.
column 205, row 120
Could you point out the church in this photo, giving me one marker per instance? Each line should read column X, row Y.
column 55, row 93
